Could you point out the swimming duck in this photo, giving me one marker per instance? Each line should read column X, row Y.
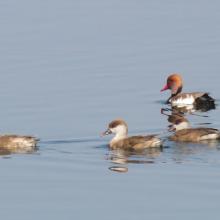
column 199, row 99
column 121, row 140
column 184, row 133
column 16, row 143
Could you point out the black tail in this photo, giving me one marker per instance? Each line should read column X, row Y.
column 207, row 98
column 205, row 103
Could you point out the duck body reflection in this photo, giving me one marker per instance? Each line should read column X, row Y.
column 122, row 158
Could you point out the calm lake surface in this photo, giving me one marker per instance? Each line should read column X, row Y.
column 70, row 67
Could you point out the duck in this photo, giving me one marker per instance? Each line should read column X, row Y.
column 121, row 140
column 17, row 143
column 200, row 100
column 184, row 133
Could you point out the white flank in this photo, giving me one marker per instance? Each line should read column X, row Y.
column 157, row 143
column 189, row 100
column 210, row 137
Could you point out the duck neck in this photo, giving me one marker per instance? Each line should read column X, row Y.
column 174, row 92
column 183, row 125
column 119, row 136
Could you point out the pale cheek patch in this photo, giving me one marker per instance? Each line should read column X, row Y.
column 113, row 130
column 183, row 125
column 157, row 143
column 120, row 129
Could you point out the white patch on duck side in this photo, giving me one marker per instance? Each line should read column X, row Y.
column 210, row 137
column 187, row 99
column 157, row 143
column 24, row 143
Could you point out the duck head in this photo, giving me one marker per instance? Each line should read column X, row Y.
column 174, row 83
column 179, row 124
column 117, row 127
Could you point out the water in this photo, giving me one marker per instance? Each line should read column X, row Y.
column 70, row 67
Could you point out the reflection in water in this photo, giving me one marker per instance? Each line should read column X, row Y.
column 177, row 115
column 174, row 116
column 124, row 157
column 197, row 107
column 119, row 169
column 183, row 149
column 179, row 152
column 189, row 109
column 182, row 152
column 5, row 151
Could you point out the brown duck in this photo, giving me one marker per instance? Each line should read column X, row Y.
column 121, row 140
column 184, row 133
column 16, row 143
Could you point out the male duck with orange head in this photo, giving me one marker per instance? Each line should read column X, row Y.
column 175, row 84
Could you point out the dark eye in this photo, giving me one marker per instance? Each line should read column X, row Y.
column 178, row 122
column 170, row 82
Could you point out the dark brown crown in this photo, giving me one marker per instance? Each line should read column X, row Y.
column 116, row 123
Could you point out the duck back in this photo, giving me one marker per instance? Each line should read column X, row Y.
column 195, row 135
column 137, row 142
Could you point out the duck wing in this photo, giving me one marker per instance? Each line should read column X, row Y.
column 141, row 142
column 196, row 134
column 185, row 98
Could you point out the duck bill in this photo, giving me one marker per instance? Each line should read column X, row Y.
column 171, row 128
column 107, row 132
column 164, row 88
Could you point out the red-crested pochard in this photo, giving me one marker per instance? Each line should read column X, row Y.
column 16, row 143
column 184, row 133
column 121, row 140
column 175, row 84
